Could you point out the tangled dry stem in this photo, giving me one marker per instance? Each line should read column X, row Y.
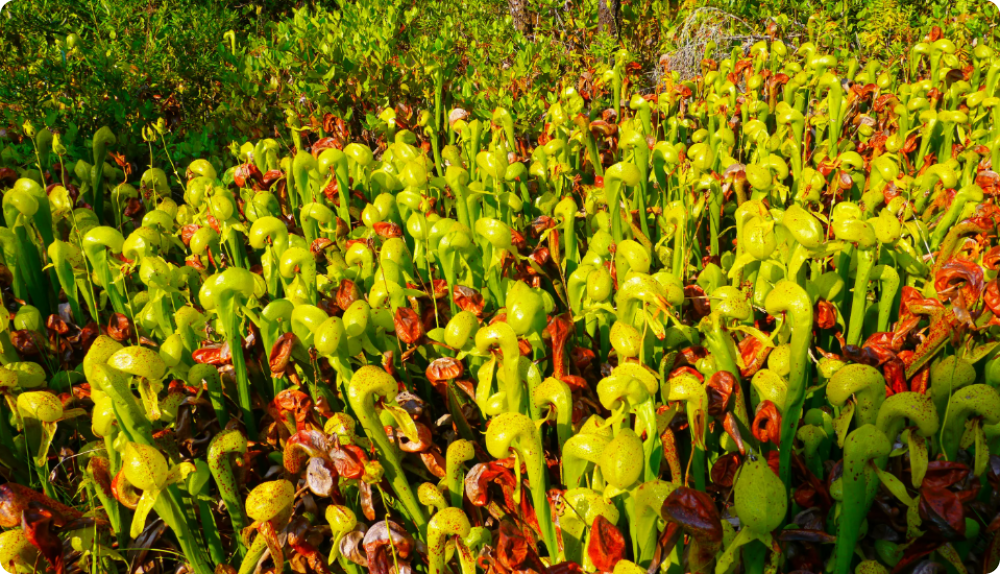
column 704, row 25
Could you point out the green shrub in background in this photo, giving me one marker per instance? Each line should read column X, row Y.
column 219, row 72
column 78, row 65
column 226, row 71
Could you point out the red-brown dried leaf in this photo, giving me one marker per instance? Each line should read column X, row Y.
column 423, row 442
column 213, row 355
column 8, row 176
column 268, row 532
column 773, row 460
column 912, row 302
column 56, row 325
column 334, row 125
column 80, row 392
column 388, row 230
column 541, row 223
column 607, row 545
column 321, row 477
column 37, row 523
column 806, row 496
column 513, row 550
column 920, row 380
column 323, row 144
column 602, row 129
column 826, row 314
column 302, row 446
column 689, row 356
column 178, row 386
column 942, row 474
column 991, row 559
column 724, row 470
column 349, row 460
column 120, row 328
column 15, row 499
column 582, row 357
column 891, row 192
column 700, row 305
column 26, row 342
column 989, row 180
column 271, row 176
column 754, row 353
column 120, row 161
column 991, row 297
column 100, row 469
column 366, row 500
column 281, row 354
column 576, row 383
column 877, row 349
column 777, row 80
column 319, row 246
column 469, row 299
column 299, row 404
column 315, row 560
column 862, row 92
column 569, row 568
column 884, row 343
column 732, row 427
column 194, row 262
column 248, row 175
column 385, row 543
column 409, row 328
column 695, row 512
column 480, row 476
column 959, row 275
column 444, row 369
column 742, row 66
column 434, row 462
column 844, row 181
column 894, row 371
column 881, row 101
column 991, row 259
column 917, row 550
column 440, row 288
column 540, row 256
column 943, row 508
column 559, row 329
column 719, row 389
column 347, row 294
column 766, row 426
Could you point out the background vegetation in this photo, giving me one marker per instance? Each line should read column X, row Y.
column 232, row 70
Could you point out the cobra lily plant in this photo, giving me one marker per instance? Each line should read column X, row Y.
column 749, row 323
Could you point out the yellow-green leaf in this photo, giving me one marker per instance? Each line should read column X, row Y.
column 918, row 458
column 142, row 511
column 982, row 451
column 404, row 422
column 729, row 558
column 894, row 485
column 843, row 422
column 949, row 553
column 913, row 522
